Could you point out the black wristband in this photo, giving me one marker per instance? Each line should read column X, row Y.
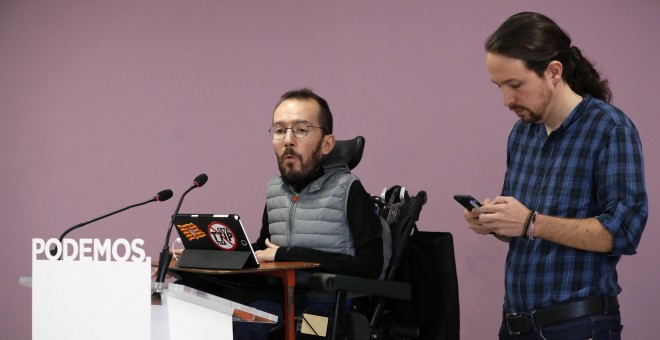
column 527, row 222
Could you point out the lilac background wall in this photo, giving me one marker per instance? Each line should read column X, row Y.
column 105, row 103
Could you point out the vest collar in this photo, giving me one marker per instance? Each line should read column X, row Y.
column 329, row 170
column 317, row 184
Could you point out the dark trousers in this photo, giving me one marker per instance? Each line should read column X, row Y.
column 263, row 293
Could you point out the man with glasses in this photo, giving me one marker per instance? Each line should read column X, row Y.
column 334, row 220
column 314, row 213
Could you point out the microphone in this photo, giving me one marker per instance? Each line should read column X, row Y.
column 162, row 196
column 165, row 255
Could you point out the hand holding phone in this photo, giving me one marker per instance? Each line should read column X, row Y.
column 468, row 202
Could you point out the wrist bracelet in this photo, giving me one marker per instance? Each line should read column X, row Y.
column 526, row 225
column 530, row 232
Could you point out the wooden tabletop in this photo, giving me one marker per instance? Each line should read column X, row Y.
column 263, row 267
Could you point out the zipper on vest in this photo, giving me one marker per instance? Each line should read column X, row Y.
column 294, row 199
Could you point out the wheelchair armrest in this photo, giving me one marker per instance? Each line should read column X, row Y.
column 332, row 283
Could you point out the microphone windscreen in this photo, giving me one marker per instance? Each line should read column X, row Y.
column 164, row 195
column 201, row 180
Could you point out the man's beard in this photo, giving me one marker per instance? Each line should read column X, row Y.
column 534, row 117
column 531, row 117
column 307, row 170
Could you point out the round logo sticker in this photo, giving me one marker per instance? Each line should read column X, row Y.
column 222, row 236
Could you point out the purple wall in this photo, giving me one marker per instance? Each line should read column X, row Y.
column 104, row 103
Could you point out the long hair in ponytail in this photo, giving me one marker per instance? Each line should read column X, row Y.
column 537, row 40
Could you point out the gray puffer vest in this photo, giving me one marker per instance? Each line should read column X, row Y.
column 315, row 217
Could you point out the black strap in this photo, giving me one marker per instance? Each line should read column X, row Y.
column 553, row 315
column 524, row 322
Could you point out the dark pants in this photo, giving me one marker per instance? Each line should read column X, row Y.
column 259, row 331
column 263, row 293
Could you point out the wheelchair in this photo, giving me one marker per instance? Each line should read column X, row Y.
column 409, row 302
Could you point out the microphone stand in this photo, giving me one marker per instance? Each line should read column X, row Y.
column 165, row 255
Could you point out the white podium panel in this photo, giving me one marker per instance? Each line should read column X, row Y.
column 91, row 300
column 101, row 300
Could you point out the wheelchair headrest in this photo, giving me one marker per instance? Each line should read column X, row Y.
column 346, row 152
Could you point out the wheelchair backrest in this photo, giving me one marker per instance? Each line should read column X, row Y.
column 401, row 213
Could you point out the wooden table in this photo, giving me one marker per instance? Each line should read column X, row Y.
column 284, row 270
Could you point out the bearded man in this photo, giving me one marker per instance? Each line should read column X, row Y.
column 574, row 198
column 314, row 213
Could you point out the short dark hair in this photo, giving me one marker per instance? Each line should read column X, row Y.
column 537, row 40
column 325, row 116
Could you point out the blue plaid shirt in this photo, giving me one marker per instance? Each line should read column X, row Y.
column 591, row 166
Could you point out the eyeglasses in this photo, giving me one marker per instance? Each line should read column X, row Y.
column 299, row 130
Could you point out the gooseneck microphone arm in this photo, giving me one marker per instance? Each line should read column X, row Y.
column 161, row 196
column 164, row 195
column 165, row 255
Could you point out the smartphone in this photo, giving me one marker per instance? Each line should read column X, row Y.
column 468, row 202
